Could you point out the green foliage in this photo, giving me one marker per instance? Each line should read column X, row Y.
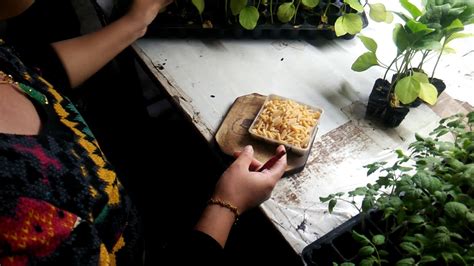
column 323, row 14
column 199, row 4
column 310, row 3
column 248, row 17
column 425, row 198
column 425, row 31
column 237, row 5
column 286, row 12
column 348, row 23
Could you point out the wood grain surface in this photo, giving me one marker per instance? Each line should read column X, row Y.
column 233, row 133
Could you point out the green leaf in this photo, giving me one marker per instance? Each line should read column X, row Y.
column 367, row 203
column 400, row 38
column 458, row 259
column 360, row 238
column 441, row 239
column 355, row 5
column 414, row 11
column 388, row 17
column 348, row 23
column 447, row 256
column 459, row 35
column 455, row 210
column 364, row 62
column 248, row 17
column 427, row 44
column 378, row 12
column 237, row 5
column 360, row 191
column 416, row 26
column 347, row 264
column 455, row 26
column 421, row 77
column 426, row 259
column 324, row 199
column 416, row 219
column 199, row 4
column 369, row 43
column 440, row 196
column 368, row 261
column 378, row 240
column 407, row 89
column 428, row 93
column 400, row 153
column 366, row 251
column 406, row 262
column 286, row 11
column 331, row 205
column 310, row 3
column 339, row 27
column 418, row 137
column 411, row 248
column 470, row 217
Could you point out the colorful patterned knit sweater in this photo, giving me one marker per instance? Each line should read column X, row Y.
column 60, row 200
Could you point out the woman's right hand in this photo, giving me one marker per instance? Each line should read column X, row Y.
column 244, row 188
column 145, row 11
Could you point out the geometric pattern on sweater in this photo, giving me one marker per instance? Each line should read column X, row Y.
column 61, row 201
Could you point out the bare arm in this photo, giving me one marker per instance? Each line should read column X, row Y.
column 85, row 55
column 241, row 187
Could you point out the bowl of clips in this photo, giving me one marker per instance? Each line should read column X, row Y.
column 288, row 122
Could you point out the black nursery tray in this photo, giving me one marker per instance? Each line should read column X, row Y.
column 339, row 246
column 180, row 23
column 265, row 31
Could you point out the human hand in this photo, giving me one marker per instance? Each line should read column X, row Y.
column 145, row 11
column 244, row 188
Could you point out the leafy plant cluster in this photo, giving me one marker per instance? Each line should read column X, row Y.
column 341, row 16
column 425, row 200
column 424, row 32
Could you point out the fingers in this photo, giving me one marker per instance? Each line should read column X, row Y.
column 278, row 169
column 279, row 166
column 254, row 165
column 246, row 156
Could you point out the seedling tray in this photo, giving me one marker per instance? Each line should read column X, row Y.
column 174, row 24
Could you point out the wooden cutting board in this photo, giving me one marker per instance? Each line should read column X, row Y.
column 233, row 133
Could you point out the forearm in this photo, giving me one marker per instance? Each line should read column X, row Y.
column 216, row 221
column 85, row 55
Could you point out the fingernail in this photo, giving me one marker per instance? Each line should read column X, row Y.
column 248, row 148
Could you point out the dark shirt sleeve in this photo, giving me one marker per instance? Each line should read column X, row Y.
column 44, row 59
column 197, row 249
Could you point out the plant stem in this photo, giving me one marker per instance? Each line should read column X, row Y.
column 358, row 209
column 376, row 252
column 296, row 11
column 390, row 66
column 271, row 11
column 437, row 60
column 225, row 7
column 327, row 8
column 425, row 54
column 258, row 5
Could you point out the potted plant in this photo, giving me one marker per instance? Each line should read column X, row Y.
column 424, row 32
column 424, row 204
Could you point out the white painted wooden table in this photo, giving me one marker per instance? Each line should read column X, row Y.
column 204, row 77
